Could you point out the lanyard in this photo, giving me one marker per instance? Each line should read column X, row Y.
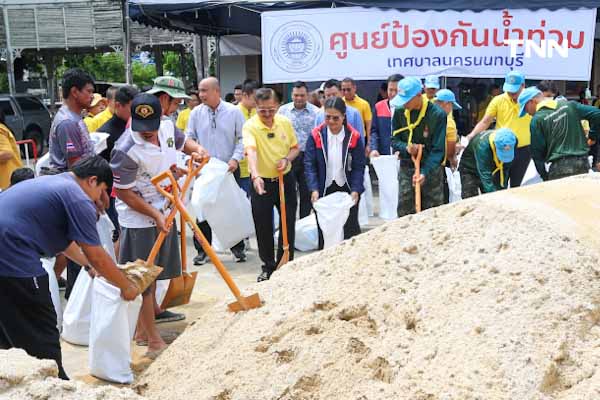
column 411, row 126
column 499, row 164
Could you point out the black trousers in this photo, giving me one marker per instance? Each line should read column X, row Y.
column 262, row 213
column 73, row 270
column 303, row 192
column 351, row 227
column 207, row 232
column 28, row 319
column 519, row 166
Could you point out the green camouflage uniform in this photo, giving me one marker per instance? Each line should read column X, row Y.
column 557, row 137
column 431, row 133
column 478, row 170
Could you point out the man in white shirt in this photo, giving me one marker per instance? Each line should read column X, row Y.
column 303, row 115
column 217, row 126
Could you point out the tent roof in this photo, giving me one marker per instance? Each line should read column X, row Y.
column 210, row 17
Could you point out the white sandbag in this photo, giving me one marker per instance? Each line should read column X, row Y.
column 219, row 199
column 105, row 229
column 111, row 331
column 454, row 185
column 43, row 161
column 78, row 312
column 100, row 141
column 48, row 265
column 387, row 168
column 363, row 213
column 162, row 286
column 332, row 212
column 367, row 196
column 531, row 175
column 307, row 234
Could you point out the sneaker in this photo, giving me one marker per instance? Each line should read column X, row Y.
column 168, row 316
column 264, row 276
column 200, row 259
column 240, row 255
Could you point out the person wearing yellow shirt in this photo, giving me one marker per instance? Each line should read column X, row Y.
column 96, row 107
column 505, row 109
column 184, row 116
column 363, row 107
column 100, row 119
column 10, row 157
column 447, row 102
column 247, row 105
column 271, row 146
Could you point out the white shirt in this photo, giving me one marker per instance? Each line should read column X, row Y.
column 335, row 164
column 135, row 161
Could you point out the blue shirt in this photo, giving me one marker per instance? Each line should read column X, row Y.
column 303, row 120
column 42, row 216
column 218, row 131
column 68, row 139
column 352, row 115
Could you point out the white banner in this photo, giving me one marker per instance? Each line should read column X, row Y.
column 363, row 43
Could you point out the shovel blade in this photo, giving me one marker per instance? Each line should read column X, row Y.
column 180, row 293
column 245, row 303
column 284, row 259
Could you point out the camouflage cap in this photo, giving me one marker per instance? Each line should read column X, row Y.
column 170, row 85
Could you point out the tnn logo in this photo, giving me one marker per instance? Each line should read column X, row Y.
column 545, row 49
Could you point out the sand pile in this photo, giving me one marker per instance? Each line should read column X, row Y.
column 493, row 298
column 26, row 378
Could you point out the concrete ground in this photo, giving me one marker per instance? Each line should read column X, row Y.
column 208, row 289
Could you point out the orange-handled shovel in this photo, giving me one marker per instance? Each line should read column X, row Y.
column 285, row 258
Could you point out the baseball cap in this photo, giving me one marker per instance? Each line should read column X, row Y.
column 526, row 95
column 513, row 81
column 145, row 113
column 408, row 88
column 432, row 82
column 170, row 85
column 505, row 141
column 448, row 95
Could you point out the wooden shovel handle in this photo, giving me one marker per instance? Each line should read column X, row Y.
column 417, row 162
column 283, row 215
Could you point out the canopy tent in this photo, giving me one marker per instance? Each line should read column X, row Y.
column 208, row 17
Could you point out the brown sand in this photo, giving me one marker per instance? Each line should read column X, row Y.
column 492, row 298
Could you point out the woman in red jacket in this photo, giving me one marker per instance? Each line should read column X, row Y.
column 334, row 161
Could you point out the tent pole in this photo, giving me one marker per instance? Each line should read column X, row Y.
column 127, row 42
column 218, row 56
column 10, row 68
column 198, row 58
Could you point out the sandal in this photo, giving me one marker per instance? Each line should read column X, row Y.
column 168, row 337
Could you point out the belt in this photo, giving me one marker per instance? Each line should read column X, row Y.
column 276, row 179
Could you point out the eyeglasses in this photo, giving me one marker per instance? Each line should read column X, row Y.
column 334, row 118
column 266, row 111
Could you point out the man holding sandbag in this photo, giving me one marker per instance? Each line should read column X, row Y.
column 46, row 216
column 145, row 150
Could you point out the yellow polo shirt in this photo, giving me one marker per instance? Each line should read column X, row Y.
column 506, row 112
column 451, row 135
column 271, row 144
column 182, row 119
column 244, row 171
column 363, row 108
column 9, row 144
column 93, row 124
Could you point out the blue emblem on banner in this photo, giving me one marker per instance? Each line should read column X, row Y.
column 296, row 46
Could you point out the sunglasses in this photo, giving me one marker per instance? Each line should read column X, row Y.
column 266, row 111
column 334, row 118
